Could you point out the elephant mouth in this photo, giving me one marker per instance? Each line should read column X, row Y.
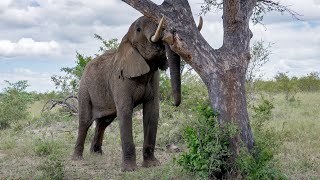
column 154, row 48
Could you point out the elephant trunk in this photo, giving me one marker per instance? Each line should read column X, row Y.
column 175, row 75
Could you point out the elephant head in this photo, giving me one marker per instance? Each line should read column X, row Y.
column 147, row 51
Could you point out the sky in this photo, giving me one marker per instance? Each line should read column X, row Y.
column 39, row 37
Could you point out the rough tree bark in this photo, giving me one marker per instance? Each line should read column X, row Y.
column 222, row 70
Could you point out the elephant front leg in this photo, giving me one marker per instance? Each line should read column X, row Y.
column 150, row 124
column 128, row 147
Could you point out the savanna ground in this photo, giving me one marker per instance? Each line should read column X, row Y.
column 40, row 146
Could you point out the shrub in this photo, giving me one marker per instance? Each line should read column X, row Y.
column 14, row 103
column 263, row 113
column 261, row 164
column 208, row 144
column 165, row 88
column 51, row 168
column 46, row 147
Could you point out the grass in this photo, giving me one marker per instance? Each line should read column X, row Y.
column 298, row 123
column 41, row 147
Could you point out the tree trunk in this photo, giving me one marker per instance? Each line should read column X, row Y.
column 223, row 70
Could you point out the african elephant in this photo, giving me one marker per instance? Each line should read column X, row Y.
column 117, row 81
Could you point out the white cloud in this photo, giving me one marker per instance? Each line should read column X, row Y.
column 4, row 5
column 27, row 47
column 23, row 71
column 70, row 24
column 295, row 49
column 40, row 82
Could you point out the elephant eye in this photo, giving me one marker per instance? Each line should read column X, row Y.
column 138, row 29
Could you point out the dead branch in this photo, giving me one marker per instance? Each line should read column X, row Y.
column 69, row 104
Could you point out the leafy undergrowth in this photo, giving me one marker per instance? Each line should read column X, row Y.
column 40, row 147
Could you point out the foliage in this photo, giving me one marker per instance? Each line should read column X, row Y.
column 261, row 9
column 208, row 145
column 262, row 114
column 261, row 163
column 282, row 83
column 287, row 85
column 259, row 56
column 46, row 147
column 69, row 82
column 107, row 44
column 165, row 87
column 309, row 83
column 291, row 135
column 51, row 168
column 14, row 103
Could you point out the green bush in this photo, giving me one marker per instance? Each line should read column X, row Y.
column 261, row 163
column 208, row 144
column 263, row 113
column 51, row 168
column 46, row 147
column 165, row 88
column 14, row 103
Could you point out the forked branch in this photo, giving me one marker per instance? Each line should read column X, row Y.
column 66, row 104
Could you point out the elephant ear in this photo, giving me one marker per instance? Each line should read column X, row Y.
column 132, row 64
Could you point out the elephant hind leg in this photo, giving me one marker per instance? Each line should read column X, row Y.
column 101, row 125
column 85, row 121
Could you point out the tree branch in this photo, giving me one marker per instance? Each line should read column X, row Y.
column 231, row 12
column 71, row 107
column 181, row 32
column 146, row 7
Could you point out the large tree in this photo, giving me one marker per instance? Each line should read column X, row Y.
column 223, row 70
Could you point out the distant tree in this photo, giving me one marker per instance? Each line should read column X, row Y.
column 260, row 54
column 107, row 44
column 310, row 82
column 68, row 83
column 287, row 85
column 14, row 103
column 261, row 8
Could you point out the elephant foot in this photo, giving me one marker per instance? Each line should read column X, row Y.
column 96, row 150
column 76, row 157
column 128, row 166
column 150, row 162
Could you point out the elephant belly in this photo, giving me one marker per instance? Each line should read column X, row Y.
column 139, row 94
column 103, row 112
column 103, row 105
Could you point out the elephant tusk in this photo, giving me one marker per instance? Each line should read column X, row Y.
column 200, row 23
column 156, row 35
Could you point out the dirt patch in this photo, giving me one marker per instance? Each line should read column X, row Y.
column 2, row 155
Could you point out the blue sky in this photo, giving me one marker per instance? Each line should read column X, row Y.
column 38, row 37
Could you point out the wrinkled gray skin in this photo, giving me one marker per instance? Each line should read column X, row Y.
column 117, row 81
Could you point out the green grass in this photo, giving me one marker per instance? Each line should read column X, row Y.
column 41, row 147
column 35, row 108
column 298, row 123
